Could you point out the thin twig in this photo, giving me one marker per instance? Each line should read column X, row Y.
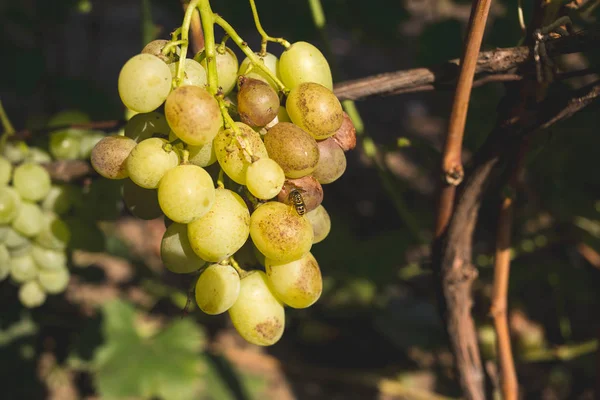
column 508, row 377
column 109, row 126
column 456, row 287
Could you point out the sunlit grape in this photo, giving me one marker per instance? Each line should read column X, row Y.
column 217, row 289
column 202, row 156
column 54, row 281
column 298, row 283
column 257, row 315
column 293, row 149
column 193, row 73
column 269, row 60
column 22, row 268
column 109, row 156
column 144, row 82
column 14, row 240
column 280, row 233
column 223, row 230
column 48, row 258
column 303, row 62
column 176, row 251
column 31, row 294
column 193, row 115
column 149, row 161
column 30, row 219
column 315, row 109
column 186, row 193
column 31, row 181
column 10, row 202
column 227, row 67
column 264, row 178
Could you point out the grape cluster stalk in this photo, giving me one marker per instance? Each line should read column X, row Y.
column 34, row 236
column 234, row 156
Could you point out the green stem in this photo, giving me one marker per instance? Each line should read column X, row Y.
column 265, row 38
column 148, row 29
column 185, row 32
column 220, row 179
column 208, row 20
column 316, row 10
column 8, row 129
column 241, row 271
column 255, row 59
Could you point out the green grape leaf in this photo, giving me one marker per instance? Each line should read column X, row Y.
column 165, row 364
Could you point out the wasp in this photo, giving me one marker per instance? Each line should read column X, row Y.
column 297, row 201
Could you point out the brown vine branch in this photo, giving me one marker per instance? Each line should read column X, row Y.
column 498, row 310
column 111, row 125
column 499, row 62
column 456, row 291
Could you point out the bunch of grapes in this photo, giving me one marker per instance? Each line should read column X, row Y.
column 33, row 237
column 238, row 169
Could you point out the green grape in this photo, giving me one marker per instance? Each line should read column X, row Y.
column 109, row 156
column 4, row 229
column 264, row 178
column 48, row 258
column 298, row 283
column 38, row 156
column 282, row 115
column 10, row 202
column 257, row 102
column 31, row 294
column 315, row 109
column 5, row 171
column 66, row 144
column 193, row 73
column 227, row 67
column 144, row 83
column 156, row 47
column 186, row 193
column 232, row 158
column 31, row 181
column 310, row 189
column 30, row 220
column 345, row 136
column 55, row 234
column 223, row 230
column 296, row 152
column 269, row 60
column 15, row 152
column 146, row 125
column 149, row 161
column 68, row 117
column 176, row 251
column 332, row 162
column 257, row 314
column 88, row 141
column 202, row 156
column 142, row 203
column 60, row 199
column 54, row 281
column 217, row 289
column 280, row 233
column 193, row 115
column 321, row 223
column 14, row 240
column 4, row 262
column 22, row 268
column 303, row 62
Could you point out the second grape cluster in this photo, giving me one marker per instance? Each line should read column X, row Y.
column 277, row 133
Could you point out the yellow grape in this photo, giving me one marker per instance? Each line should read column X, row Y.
column 149, row 161
column 232, row 159
column 296, row 152
column 269, row 60
column 31, row 294
column 10, row 203
column 227, row 67
column 186, row 193
column 258, row 315
column 264, row 178
column 303, row 62
column 217, row 289
column 156, row 47
column 144, row 83
column 48, row 258
column 176, row 251
column 298, row 283
column 202, row 156
column 280, row 233
column 193, row 73
column 30, row 220
column 54, row 281
column 223, row 230
column 193, row 115
column 321, row 223
column 32, row 181
column 109, row 156
column 22, row 268
column 315, row 109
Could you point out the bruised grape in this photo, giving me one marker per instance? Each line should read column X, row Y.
column 258, row 103
column 315, row 109
column 345, row 136
column 332, row 162
column 309, row 187
column 293, row 149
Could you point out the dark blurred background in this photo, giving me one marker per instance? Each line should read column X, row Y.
column 376, row 332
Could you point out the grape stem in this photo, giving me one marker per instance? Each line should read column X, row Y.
column 7, row 126
column 265, row 38
column 185, row 31
column 220, row 183
column 241, row 271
